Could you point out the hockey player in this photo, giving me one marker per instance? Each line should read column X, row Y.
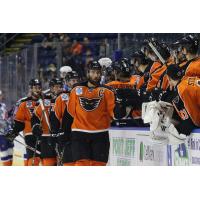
column 186, row 101
column 71, row 79
column 126, row 95
column 91, row 106
column 62, row 122
column 22, row 120
column 41, row 123
column 158, row 69
column 189, row 46
column 123, row 74
column 143, row 65
column 6, row 147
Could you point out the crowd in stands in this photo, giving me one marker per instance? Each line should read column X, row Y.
column 71, row 52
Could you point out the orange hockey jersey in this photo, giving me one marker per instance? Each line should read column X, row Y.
column 61, row 105
column 192, row 68
column 91, row 108
column 40, row 115
column 24, row 114
column 120, row 85
column 189, row 92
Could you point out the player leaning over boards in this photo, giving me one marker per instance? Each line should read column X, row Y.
column 186, row 101
column 189, row 46
column 91, row 106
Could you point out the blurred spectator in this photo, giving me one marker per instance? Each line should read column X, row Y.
column 76, row 48
column 104, row 48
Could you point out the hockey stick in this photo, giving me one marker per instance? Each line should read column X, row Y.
column 28, row 147
column 59, row 161
column 25, row 145
column 156, row 52
column 34, row 154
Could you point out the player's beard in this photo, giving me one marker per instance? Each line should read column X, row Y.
column 95, row 82
column 36, row 95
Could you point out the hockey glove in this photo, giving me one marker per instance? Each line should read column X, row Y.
column 10, row 136
column 37, row 130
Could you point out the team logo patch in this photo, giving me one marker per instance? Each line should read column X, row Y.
column 64, row 97
column 89, row 104
column 79, row 91
column 101, row 92
column 47, row 102
column 29, row 104
column 198, row 83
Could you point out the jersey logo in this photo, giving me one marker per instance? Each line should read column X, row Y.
column 79, row 91
column 47, row 102
column 101, row 92
column 89, row 104
column 198, row 83
column 29, row 104
column 64, row 97
column 183, row 114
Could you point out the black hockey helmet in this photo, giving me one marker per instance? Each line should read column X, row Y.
column 139, row 55
column 175, row 72
column 161, row 47
column 191, row 43
column 55, row 81
column 72, row 75
column 94, row 65
column 145, row 45
column 164, row 50
column 122, row 65
column 34, row 82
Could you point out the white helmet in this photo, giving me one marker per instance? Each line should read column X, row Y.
column 105, row 62
column 64, row 70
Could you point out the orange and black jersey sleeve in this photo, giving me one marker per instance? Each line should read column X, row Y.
column 23, row 114
column 91, row 108
column 158, row 76
column 187, row 104
column 120, row 85
column 63, row 119
column 142, row 83
column 134, row 80
column 39, row 116
column 192, row 68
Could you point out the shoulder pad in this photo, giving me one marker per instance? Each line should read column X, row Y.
column 29, row 104
column 47, row 102
column 79, row 90
column 64, row 97
column 22, row 100
column 80, row 84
